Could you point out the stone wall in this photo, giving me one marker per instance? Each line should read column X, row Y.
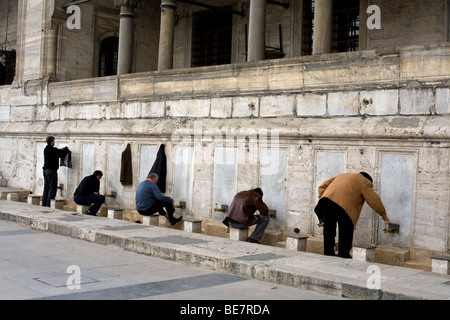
column 284, row 125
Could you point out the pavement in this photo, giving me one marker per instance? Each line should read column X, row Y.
column 345, row 278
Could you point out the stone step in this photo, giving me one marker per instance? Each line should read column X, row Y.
column 421, row 265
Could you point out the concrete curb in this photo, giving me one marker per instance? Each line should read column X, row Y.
column 329, row 275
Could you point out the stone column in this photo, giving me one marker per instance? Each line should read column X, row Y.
column 165, row 56
column 323, row 27
column 52, row 46
column 257, row 31
column 125, row 37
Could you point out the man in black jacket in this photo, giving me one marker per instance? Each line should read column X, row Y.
column 51, row 166
column 87, row 193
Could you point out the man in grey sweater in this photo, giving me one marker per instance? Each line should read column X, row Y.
column 150, row 200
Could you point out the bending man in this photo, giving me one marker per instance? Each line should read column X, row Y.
column 150, row 200
column 341, row 201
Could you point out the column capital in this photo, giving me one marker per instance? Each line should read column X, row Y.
column 129, row 4
column 168, row 4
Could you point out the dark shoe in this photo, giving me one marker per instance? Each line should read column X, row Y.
column 175, row 220
column 138, row 221
column 89, row 213
column 253, row 240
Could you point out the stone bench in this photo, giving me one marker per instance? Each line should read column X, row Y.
column 57, row 203
column 364, row 252
column 12, row 196
column 297, row 243
column 115, row 213
column 151, row 220
column 191, row 225
column 81, row 209
column 440, row 264
column 34, row 199
column 239, row 234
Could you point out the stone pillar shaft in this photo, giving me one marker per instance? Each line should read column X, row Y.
column 125, row 40
column 323, row 27
column 257, row 31
column 166, row 37
column 52, row 46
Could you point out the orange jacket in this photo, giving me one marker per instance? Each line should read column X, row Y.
column 349, row 191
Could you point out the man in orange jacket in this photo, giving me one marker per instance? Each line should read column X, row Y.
column 340, row 202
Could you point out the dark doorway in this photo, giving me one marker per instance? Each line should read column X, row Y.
column 7, row 67
column 109, row 52
column 211, row 37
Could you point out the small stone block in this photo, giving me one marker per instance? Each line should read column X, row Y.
column 115, row 213
column 34, row 199
column 239, row 234
column 440, row 264
column 12, row 197
column 363, row 253
column 57, row 203
column 297, row 243
column 151, row 220
column 194, row 226
column 82, row 208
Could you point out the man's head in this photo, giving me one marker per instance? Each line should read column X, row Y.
column 367, row 176
column 98, row 174
column 50, row 140
column 153, row 177
column 258, row 191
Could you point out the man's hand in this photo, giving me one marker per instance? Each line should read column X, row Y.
column 385, row 219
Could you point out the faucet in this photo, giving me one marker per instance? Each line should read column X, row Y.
column 112, row 195
column 223, row 208
column 391, row 228
column 182, row 205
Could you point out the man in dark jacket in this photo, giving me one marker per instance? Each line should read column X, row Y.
column 87, row 193
column 150, row 200
column 241, row 213
column 51, row 166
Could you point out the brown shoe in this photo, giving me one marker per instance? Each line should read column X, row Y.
column 252, row 240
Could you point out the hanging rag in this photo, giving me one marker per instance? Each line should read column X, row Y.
column 160, row 168
column 66, row 161
column 126, row 172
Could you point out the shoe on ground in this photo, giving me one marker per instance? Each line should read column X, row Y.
column 252, row 240
column 89, row 213
column 175, row 220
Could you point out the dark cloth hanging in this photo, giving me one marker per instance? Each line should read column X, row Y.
column 66, row 161
column 160, row 168
column 126, row 172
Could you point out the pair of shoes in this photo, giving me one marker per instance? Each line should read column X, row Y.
column 89, row 213
column 252, row 240
column 175, row 220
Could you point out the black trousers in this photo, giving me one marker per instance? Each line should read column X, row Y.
column 334, row 215
column 159, row 207
column 50, row 186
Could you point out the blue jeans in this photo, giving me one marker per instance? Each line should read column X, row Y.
column 93, row 200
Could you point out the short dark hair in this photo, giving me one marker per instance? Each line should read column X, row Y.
column 258, row 191
column 367, row 176
column 50, row 139
column 98, row 173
